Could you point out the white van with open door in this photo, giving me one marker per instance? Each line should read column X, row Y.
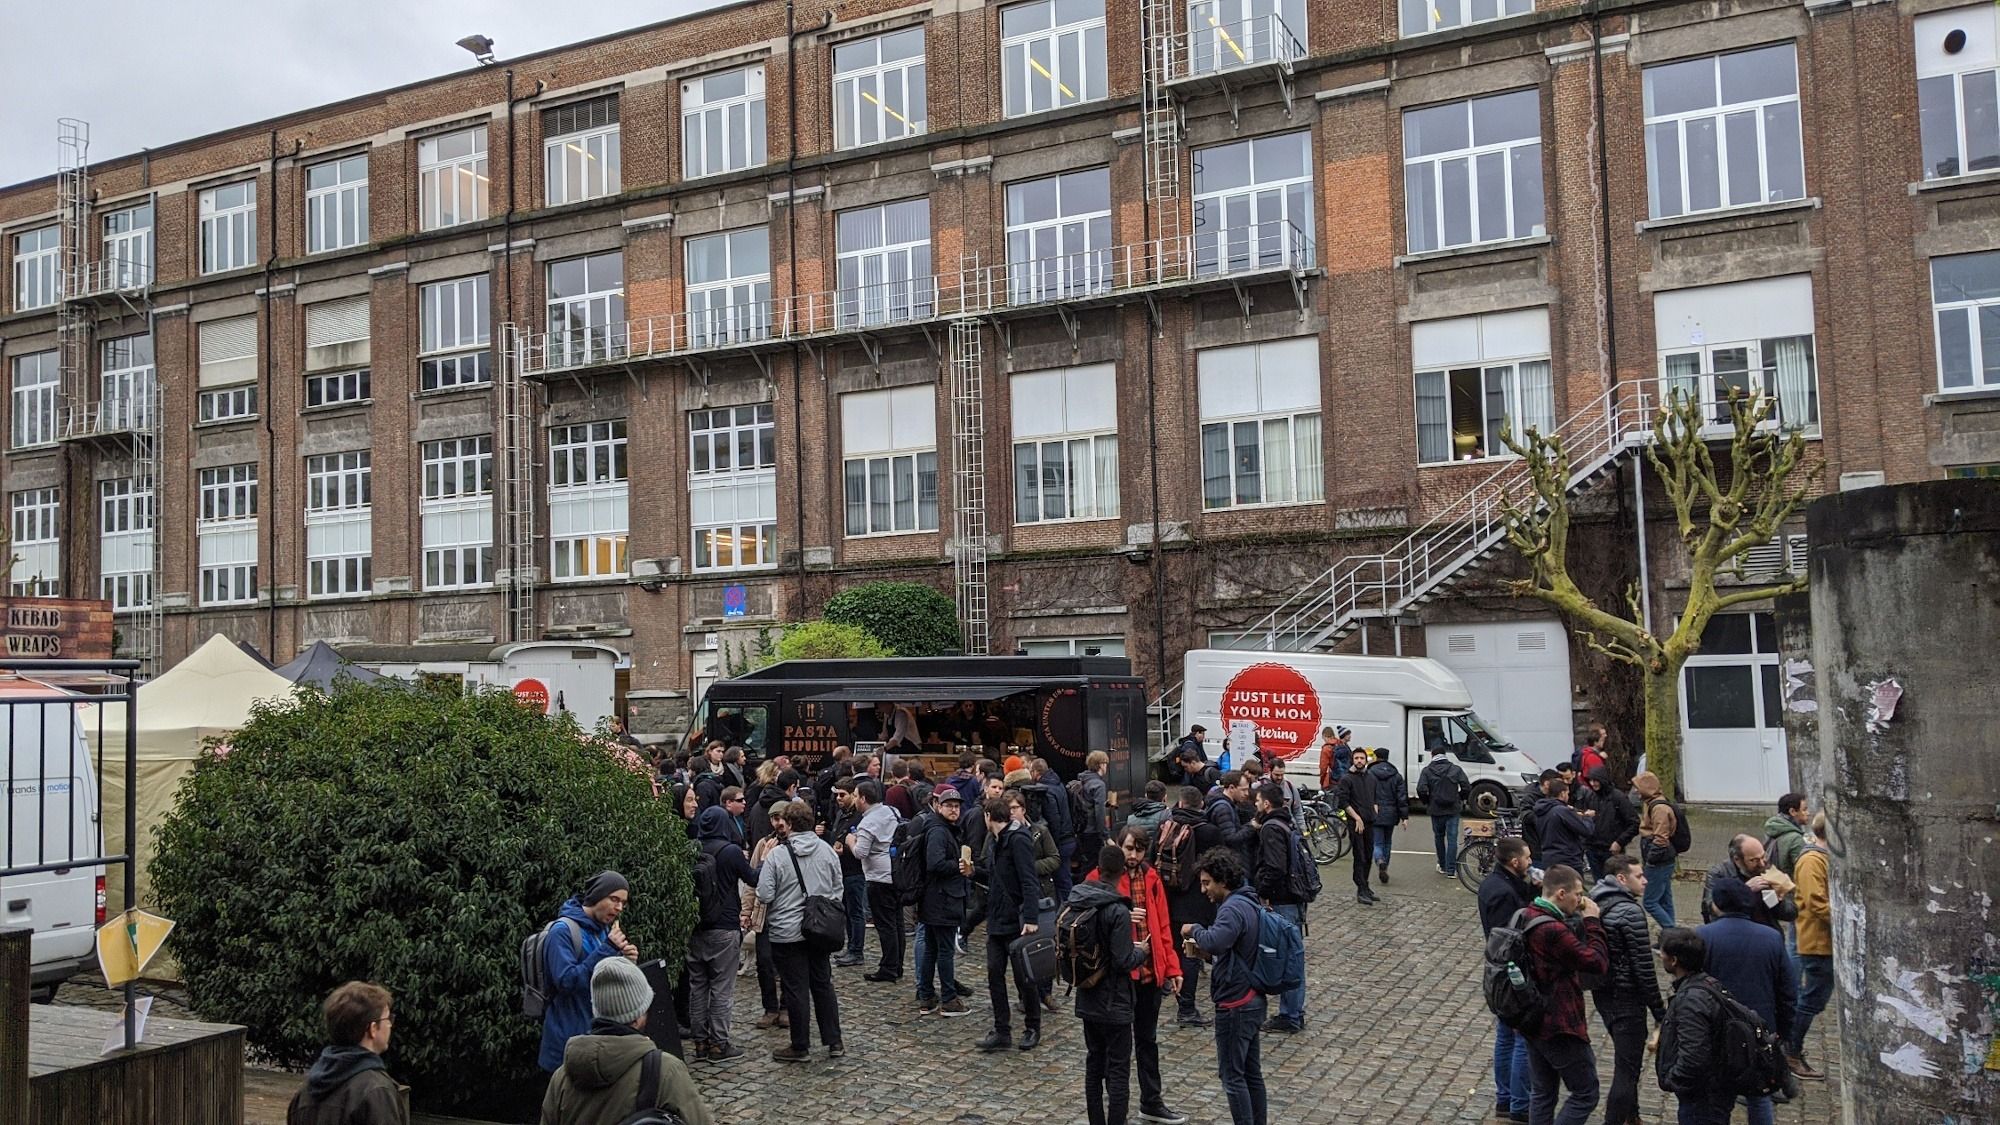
column 51, row 832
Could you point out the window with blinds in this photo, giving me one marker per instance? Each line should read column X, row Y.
column 337, row 334
column 228, row 351
column 579, row 117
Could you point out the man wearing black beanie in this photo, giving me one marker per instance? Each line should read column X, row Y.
column 585, row 932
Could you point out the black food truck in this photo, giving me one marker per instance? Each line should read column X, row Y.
column 1058, row 708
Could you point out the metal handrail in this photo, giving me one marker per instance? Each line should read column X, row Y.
column 1215, row 46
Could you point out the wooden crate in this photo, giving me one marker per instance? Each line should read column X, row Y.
column 184, row 1073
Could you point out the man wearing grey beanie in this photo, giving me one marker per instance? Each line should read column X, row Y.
column 605, row 1069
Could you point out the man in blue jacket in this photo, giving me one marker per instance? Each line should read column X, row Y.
column 585, row 932
column 1055, row 809
column 1231, row 943
column 1748, row 959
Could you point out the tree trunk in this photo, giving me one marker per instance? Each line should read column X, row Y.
column 1663, row 728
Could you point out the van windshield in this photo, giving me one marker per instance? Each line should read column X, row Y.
column 1464, row 737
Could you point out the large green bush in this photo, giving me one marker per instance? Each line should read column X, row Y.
column 411, row 838
column 825, row 640
column 911, row 618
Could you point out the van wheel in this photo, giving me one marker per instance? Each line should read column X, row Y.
column 1488, row 798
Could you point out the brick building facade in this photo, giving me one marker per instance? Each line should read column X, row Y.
column 736, row 249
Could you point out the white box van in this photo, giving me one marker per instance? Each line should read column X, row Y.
column 1409, row 705
column 51, row 824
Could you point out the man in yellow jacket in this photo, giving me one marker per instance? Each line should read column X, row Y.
column 1815, row 942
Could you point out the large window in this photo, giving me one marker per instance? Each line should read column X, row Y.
column 33, row 406
column 339, row 527
column 722, row 122
column 458, row 513
column 1065, row 444
column 1071, row 646
column 1750, row 338
column 128, row 246
column 589, row 501
column 729, row 287
column 125, row 542
column 1059, row 236
column 451, row 178
column 337, row 352
column 1423, row 16
column 226, row 535
column 1965, row 299
column 35, row 544
column 1253, row 204
column 1472, row 171
column 1226, row 34
column 1479, row 377
column 1051, row 54
column 229, row 227
column 125, row 388
column 885, row 263
column 337, row 204
column 878, row 88
column 1723, row 131
column 228, row 372
column 580, row 150
column 1260, row 427
column 457, row 331
column 889, row 440
column 36, row 256
column 733, row 487
column 1958, row 90
column 1733, row 681
column 587, row 309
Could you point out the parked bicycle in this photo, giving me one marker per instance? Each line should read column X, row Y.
column 1325, row 831
column 1480, row 850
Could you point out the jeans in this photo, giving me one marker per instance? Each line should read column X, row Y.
column 1596, row 856
column 1292, row 1005
column 1760, row 1112
column 1238, row 1063
column 1627, row 1027
column 1700, row 1111
column 1146, row 1002
column 1384, row 834
column 937, row 955
column 1660, row 893
column 1512, row 1088
column 886, row 907
column 1189, row 1001
column 1064, row 879
column 1444, row 836
column 1556, row 1064
column 1107, row 1068
column 1818, row 989
column 996, row 987
column 855, row 897
column 712, row 958
column 808, row 978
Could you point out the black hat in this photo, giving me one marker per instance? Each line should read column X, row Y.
column 602, row 886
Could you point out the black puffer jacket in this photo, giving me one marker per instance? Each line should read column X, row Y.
column 1616, row 822
column 1632, row 984
column 1689, row 1035
column 1392, row 795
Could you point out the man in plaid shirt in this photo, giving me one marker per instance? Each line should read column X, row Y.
column 1559, row 1049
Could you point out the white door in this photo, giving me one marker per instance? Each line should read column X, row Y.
column 706, row 672
column 1518, row 674
column 1732, row 737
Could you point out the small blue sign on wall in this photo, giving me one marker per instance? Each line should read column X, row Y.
column 735, row 600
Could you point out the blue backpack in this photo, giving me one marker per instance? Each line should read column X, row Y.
column 1280, row 964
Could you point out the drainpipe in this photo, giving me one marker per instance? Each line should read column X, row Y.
column 1153, row 450
column 269, row 518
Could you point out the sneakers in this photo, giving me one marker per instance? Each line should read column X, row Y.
column 999, row 1039
column 1365, row 898
column 789, row 1054
column 837, row 1051
column 927, row 1005
column 959, row 942
column 847, row 961
column 1382, row 873
column 880, row 977
column 1030, row 1039
column 1161, row 1115
column 952, row 1007
column 1281, row 1024
column 1442, row 871
column 723, row 1052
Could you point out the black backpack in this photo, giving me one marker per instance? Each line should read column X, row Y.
column 1445, row 782
column 1080, row 959
column 1512, row 992
column 1079, row 808
column 1174, row 856
column 711, row 890
column 535, row 983
column 1682, row 838
column 648, row 1112
column 1747, row 1059
column 906, row 859
column 1301, row 873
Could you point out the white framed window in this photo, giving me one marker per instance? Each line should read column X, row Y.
column 226, row 379
column 339, row 524
column 1065, row 444
column 457, row 512
column 1059, row 236
column 1723, row 131
column 1958, row 90
column 128, row 245
column 1479, row 377
column 451, row 178
column 1226, row 34
column 1071, row 646
column 337, row 352
column 457, row 331
column 729, row 286
column 1051, row 54
column 733, row 487
column 1749, row 337
column 229, row 227
column 580, row 150
column 587, row 309
column 1253, row 204
column 722, row 122
column 1472, row 171
column 37, row 254
column 125, row 383
column 337, row 204
column 884, row 262
column 35, row 543
column 1260, row 424
column 1275, row 641
column 226, row 535
column 889, row 441
column 125, row 542
column 878, row 88
column 589, row 501
column 1965, row 304
column 1421, row 17
column 33, row 404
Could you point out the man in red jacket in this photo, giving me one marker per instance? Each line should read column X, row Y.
column 1559, row 1050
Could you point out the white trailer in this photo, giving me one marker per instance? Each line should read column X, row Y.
column 579, row 677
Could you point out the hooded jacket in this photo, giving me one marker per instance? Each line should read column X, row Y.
column 1392, row 795
column 1815, row 908
column 599, row 1081
column 1187, row 904
column 759, row 817
column 1110, row 999
column 946, row 892
column 347, row 1086
column 1501, row 893
column 1232, row 942
column 1783, row 841
column 1097, row 798
column 568, row 1011
column 1616, row 822
column 1055, row 807
column 715, row 831
column 1147, row 814
column 1011, row 888
column 1632, row 984
column 1227, row 821
column 1688, row 1035
column 1562, row 831
column 1272, row 874
column 778, row 883
column 1442, row 786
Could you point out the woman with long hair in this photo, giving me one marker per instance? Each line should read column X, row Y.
column 1155, row 978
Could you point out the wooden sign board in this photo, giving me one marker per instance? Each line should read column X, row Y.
column 54, row 629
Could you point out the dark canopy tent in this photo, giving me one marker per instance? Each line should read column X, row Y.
column 320, row 665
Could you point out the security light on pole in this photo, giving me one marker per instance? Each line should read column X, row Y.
column 481, row 48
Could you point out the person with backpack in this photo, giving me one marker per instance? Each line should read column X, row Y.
column 1441, row 789
column 612, row 1074
column 1287, row 880
column 1631, row 990
column 1184, row 837
column 1056, row 809
column 1157, row 977
column 1225, row 814
column 1563, row 940
column 1231, row 944
column 1096, row 956
column 1504, row 893
column 871, row 842
column 1590, row 755
column 801, row 867
column 1096, row 829
column 1663, row 836
column 1354, row 796
column 348, row 1083
column 1747, row 958
column 1149, row 811
column 1008, row 870
column 1334, row 753
column 1392, row 809
column 567, row 950
column 942, row 906
column 1784, row 834
column 1191, row 756
column 715, row 948
column 1815, row 944
column 1692, row 1034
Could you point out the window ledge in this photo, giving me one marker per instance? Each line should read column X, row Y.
column 727, row 571
column 1067, row 521
column 1491, row 460
column 893, row 534
column 335, row 407
column 1262, row 507
column 219, row 423
column 1750, row 210
column 485, row 388
column 1968, row 179
column 1474, row 249
column 1962, row 394
column 37, row 447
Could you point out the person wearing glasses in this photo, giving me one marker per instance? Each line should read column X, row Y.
column 348, row 1084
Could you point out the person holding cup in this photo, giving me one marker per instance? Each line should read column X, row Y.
column 947, row 888
column 1157, row 977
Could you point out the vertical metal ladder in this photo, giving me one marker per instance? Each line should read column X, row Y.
column 968, row 518
column 517, row 466
column 1160, row 136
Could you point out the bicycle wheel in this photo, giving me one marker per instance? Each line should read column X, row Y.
column 1475, row 862
column 1319, row 837
column 1343, row 836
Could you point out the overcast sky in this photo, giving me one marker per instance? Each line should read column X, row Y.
column 146, row 73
